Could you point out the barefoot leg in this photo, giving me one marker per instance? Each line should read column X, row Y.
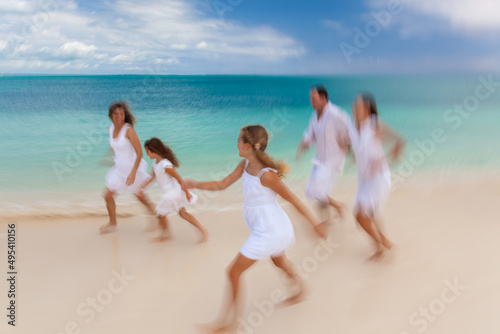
column 370, row 228
column 191, row 219
column 284, row 264
column 111, row 207
column 386, row 242
column 164, row 231
column 231, row 309
column 144, row 199
column 339, row 206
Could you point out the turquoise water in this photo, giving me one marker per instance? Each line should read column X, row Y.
column 54, row 128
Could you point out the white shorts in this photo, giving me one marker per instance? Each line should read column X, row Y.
column 321, row 182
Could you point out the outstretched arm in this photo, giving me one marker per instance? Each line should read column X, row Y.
column 173, row 172
column 216, row 185
column 306, row 141
column 272, row 180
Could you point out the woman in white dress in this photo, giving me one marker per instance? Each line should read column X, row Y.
column 374, row 177
column 129, row 171
column 271, row 231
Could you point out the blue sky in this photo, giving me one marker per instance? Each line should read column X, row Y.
column 249, row 36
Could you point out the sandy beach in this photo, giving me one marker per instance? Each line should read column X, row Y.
column 441, row 277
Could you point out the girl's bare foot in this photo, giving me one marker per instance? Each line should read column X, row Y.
column 302, row 292
column 214, row 329
column 378, row 255
column 161, row 239
column 163, row 236
column 387, row 244
column 107, row 228
column 297, row 298
column 204, row 236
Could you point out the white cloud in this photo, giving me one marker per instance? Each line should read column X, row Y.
column 463, row 15
column 172, row 60
column 77, row 49
column 425, row 18
column 125, row 32
column 122, row 58
column 201, row 45
column 16, row 6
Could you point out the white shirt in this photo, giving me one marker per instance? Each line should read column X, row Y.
column 165, row 181
column 368, row 150
column 327, row 132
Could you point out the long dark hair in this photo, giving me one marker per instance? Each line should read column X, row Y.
column 129, row 117
column 256, row 136
column 155, row 145
column 370, row 99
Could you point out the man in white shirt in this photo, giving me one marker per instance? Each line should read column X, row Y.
column 328, row 128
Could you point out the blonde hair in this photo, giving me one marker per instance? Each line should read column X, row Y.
column 256, row 136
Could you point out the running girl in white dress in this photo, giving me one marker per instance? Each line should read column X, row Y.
column 374, row 177
column 173, row 199
column 271, row 231
column 129, row 170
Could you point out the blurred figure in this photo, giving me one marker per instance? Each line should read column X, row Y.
column 129, row 171
column 328, row 129
column 374, row 178
column 173, row 198
column 271, row 231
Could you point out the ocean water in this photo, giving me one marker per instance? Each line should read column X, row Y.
column 54, row 128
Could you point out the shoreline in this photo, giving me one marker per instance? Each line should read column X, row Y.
column 89, row 203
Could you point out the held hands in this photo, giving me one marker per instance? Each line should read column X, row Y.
column 321, row 230
column 188, row 184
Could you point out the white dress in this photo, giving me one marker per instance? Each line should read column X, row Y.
column 326, row 132
column 271, row 231
column 374, row 176
column 124, row 159
column 173, row 198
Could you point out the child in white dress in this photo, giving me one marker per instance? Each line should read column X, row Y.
column 129, row 170
column 173, row 198
column 271, row 231
column 374, row 177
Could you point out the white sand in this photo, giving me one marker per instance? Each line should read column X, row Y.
column 444, row 235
